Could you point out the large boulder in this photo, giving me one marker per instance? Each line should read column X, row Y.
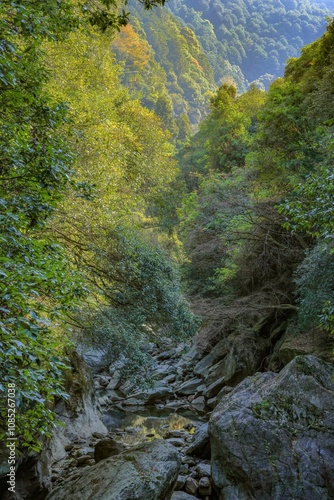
column 154, row 395
column 273, row 436
column 200, row 444
column 148, row 471
column 295, row 343
column 243, row 355
column 106, row 448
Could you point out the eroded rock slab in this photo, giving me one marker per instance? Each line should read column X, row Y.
column 273, row 436
column 200, row 445
column 148, row 471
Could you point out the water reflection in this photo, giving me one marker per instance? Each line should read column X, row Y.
column 133, row 428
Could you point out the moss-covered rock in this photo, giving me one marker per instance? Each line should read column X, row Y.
column 273, row 436
column 148, row 472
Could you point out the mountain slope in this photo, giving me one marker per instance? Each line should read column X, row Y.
column 255, row 36
column 165, row 63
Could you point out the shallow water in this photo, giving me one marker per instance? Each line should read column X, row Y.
column 146, row 424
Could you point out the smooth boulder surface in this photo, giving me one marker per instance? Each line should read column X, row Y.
column 148, row 471
column 272, row 438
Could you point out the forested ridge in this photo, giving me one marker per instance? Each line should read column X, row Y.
column 172, row 57
column 117, row 223
column 250, row 40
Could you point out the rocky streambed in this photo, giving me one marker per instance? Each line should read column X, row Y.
column 212, row 424
column 210, row 428
column 157, row 438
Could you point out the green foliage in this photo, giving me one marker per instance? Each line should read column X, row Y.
column 40, row 282
column 37, row 286
column 223, row 139
column 250, row 40
column 141, row 296
column 176, row 59
column 115, row 239
column 245, row 246
column 208, row 221
column 311, row 207
column 315, row 287
column 288, row 143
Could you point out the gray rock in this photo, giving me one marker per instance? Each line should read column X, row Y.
column 199, row 402
column 176, row 405
column 119, row 364
column 159, row 393
column 200, row 390
column 103, row 401
column 203, row 366
column 134, row 401
column 106, row 448
column 218, row 352
column 191, row 486
column 223, row 392
column 148, row 471
column 214, row 388
column 169, row 379
column 211, row 403
column 180, row 482
column 175, row 434
column 272, row 438
column 200, row 445
column 151, row 396
column 177, row 442
column 188, row 460
column 181, row 495
column 98, row 435
column 227, row 368
column 191, row 356
column 162, row 371
column 115, row 381
column 113, row 396
column 203, row 470
column 184, row 469
column 189, row 387
column 238, row 356
column 296, row 343
column 204, row 486
column 83, row 459
column 103, row 381
column 166, row 355
column 95, row 358
column 87, row 450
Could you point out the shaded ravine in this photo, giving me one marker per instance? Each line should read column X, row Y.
column 135, row 416
column 206, row 428
column 235, row 454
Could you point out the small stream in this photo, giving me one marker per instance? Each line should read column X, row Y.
column 145, row 424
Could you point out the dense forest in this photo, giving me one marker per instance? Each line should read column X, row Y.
column 249, row 40
column 172, row 57
column 117, row 223
column 164, row 62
